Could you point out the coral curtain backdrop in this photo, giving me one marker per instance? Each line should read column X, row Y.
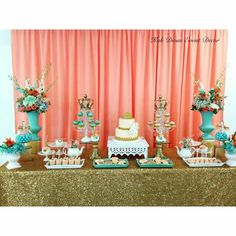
column 122, row 70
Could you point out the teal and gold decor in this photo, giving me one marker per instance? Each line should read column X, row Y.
column 33, row 101
column 208, row 104
column 161, row 125
column 86, row 123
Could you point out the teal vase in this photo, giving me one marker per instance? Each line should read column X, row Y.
column 33, row 118
column 207, row 126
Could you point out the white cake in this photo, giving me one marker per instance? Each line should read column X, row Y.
column 128, row 128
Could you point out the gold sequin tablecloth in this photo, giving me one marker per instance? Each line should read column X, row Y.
column 34, row 185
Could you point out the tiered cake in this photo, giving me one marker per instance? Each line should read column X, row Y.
column 128, row 128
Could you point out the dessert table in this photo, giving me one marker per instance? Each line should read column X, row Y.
column 34, row 185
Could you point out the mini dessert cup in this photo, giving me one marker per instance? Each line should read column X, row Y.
column 77, row 161
column 65, row 161
column 58, row 161
column 52, row 162
column 71, row 161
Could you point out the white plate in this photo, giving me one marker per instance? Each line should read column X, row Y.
column 66, row 166
column 215, row 164
column 48, row 154
column 54, row 145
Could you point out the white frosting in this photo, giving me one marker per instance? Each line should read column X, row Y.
column 125, row 134
column 125, row 123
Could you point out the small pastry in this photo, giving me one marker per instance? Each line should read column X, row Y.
column 115, row 160
column 165, row 162
column 99, row 162
column 71, row 161
column 77, row 161
column 58, row 161
column 121, row 162
column 157, row 159
column 65, row 161
column 52, row 162
column 142, row 161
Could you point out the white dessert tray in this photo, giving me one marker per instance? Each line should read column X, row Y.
column 203, row 162
column 48, row 166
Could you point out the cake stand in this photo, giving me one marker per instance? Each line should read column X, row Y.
column 46, row 155
column 57, row 148
column 138, row 147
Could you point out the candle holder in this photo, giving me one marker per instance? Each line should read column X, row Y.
column 95, row 153
column 86, row 123
column 161, row 125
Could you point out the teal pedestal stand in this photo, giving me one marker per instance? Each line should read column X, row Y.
column 33, row 118
column 206, row 126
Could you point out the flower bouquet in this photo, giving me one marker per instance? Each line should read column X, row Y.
column 208, row 103
column 34, row 96
column 34, row 100
column 12, row 151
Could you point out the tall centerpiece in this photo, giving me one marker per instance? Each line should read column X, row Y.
column 208, row 104
column 161, row 125
column 86, row 123
column 33, row 101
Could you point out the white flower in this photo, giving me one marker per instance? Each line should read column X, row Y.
column 214, row 106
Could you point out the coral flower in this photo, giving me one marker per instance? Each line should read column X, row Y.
column 34, row 107
column 28, row 108
column 217, row 90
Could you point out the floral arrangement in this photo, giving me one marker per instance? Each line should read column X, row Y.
column 11, row 147
column 209, row 101
column 229, row 142
column 34, row 97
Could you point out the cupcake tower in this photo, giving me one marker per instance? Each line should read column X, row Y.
column 86, row 123
column 161, row 124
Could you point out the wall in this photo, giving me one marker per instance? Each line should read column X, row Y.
column 7, row 122
column 230, row 85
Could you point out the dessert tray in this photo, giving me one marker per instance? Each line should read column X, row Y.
column 108, row 163
column 48, row 166
column 151, row 163
column 203, row 162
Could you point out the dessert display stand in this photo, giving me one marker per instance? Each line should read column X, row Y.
column 138, row 147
